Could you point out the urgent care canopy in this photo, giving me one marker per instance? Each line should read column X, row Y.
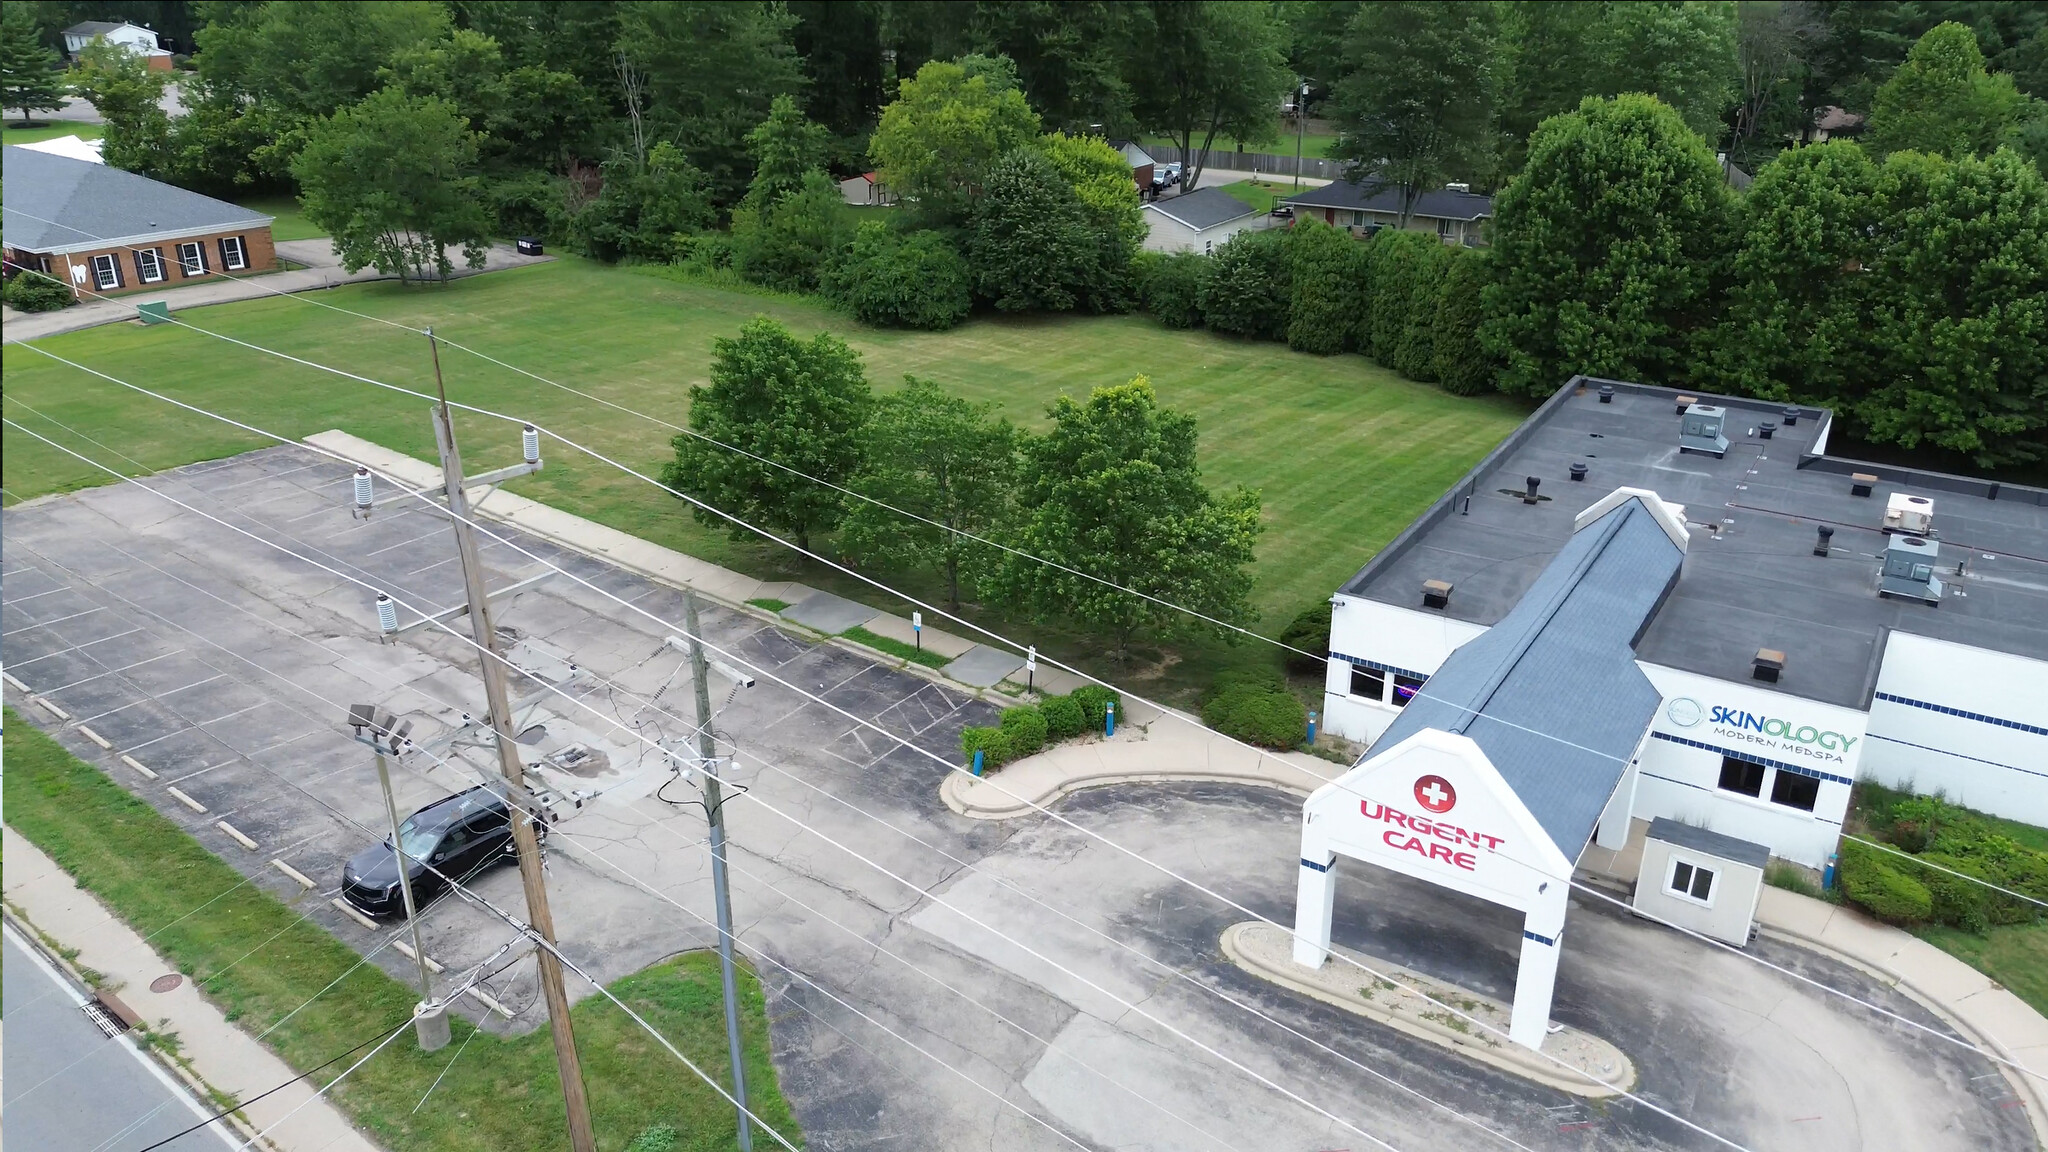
column 1494, row 777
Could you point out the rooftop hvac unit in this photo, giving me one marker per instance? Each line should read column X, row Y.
column 1700, row 430
column 1912, row 515
column 1909, row 569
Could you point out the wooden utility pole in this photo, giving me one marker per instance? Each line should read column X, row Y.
column 575, row 1101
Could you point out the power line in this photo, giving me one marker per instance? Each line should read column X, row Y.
column 1939, row 868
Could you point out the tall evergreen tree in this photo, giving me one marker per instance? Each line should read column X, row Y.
column 29, row 79
column 1941, row 100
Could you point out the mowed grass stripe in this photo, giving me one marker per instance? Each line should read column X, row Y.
column 1344, row 452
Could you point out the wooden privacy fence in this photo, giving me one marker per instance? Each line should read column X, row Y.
column 1262, row 162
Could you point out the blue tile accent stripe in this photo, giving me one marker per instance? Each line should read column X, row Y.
column 1528, row 935
column 1979, row 717
column 1958, row 755
column 1364, row 663
column 1795, row 769
column 1718, row 792
column 1306, row 863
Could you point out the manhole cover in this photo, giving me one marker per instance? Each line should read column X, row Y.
column 166, row 982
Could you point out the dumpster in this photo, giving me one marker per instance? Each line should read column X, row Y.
column 529, row 246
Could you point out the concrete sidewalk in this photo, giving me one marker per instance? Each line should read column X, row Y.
column 322, row 270
column 221, row 1056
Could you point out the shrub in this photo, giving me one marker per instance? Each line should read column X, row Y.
column 1326, row 269
column 1399, row 260
column 1256, row 708
column 1310, row 632
column 1415, row 355
column 992, row 743
column 1094, row 699
column 1026, row 727
column 34, row 292
column 1463, row 366
column 1172, row 287
column 1031, row 247
column 897, row 280
column 1064, row 717
column 660, row 1138
column 788, row 243
column 1247, row 291
column 1882, row 890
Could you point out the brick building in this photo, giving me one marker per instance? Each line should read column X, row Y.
column 103, row 230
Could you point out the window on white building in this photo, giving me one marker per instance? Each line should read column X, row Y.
column 234, row 254
column 1405, row 688
column 1794, row 790
column 1692, row 882
column 106, row 272
column 1744, row 776
column 149, row 264
column 1370, row 683
column 192, row 258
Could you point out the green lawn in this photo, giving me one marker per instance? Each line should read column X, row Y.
column 503, row 1093
column 291, row 223
column 1261, row 194
column 1319, row 145
column 1345, row 453
column 2015, row 956
column 48, row 130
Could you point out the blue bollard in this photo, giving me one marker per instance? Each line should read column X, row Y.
column 977, row 761
column 1311, row 727
column 1827, row 874
column 1109, row 719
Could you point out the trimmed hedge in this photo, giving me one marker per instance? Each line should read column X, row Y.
column 1871, row 883
column 1931, row 831
column 1327, row 271
column 1171, row 286
column 992, row 743
column 1310, row 632
column 1257, row 709
column 1026, row 727
column 33, row 292
column 1248, row 290
column 1094, row 699
column 1064, row 718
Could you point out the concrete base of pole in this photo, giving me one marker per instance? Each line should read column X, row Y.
column 430, row 1023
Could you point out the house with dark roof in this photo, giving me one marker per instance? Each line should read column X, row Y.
column 1198, row 221
column 103, row 230
column 1454, row 212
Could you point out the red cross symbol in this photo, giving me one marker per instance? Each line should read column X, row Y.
column 1436, row 794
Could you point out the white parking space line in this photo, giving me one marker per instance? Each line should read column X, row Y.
column 194, row 684
column 156, row 739
column 402, row 543
column 75, row 648
column 111, row 711
column 45, row 592
column 47, row 623
column 231, row 715
column 114, row 671
column 431, row 567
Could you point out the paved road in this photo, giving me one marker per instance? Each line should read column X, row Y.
column 57, row 1061
column 901, row 1018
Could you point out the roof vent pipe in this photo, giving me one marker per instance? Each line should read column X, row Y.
column 1436, row 593
column 1529, row 495
column 1764, row 430
column 1791, row 415
column 1578, row 471
column 1768, row 665
column 1820, row 545
column 1607, row 393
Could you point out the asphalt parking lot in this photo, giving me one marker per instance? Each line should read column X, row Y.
column 902, row 1015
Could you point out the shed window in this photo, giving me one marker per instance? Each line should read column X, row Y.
column 1405, row 688
column 1370, row 683
column 1794, row 790
column 1691, row 881
column 106, row 272
column 1744, row 776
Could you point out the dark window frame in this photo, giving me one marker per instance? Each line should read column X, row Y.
column 1412, row 683
column 1788, row 789
column 1372, row 676
column 1747, row 770
column 1691, row 881
column 186, row 270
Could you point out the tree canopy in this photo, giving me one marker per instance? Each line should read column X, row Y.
column 1211, row 67
column 1941, row 100
column 29, row 80
column 942, row 132
column 1416, row 106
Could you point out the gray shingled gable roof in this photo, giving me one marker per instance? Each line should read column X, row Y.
column 1552, row 693
column 97, row 27
column 1371, row 195
column 55, row 203
column 1202, row 209
column 1712, row 843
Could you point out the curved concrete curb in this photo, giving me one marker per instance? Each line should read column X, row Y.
column 1342, row 987
column 958, row 791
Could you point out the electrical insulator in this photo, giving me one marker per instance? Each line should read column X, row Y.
column 362, row 492
column 387, row 614
column 529, row 439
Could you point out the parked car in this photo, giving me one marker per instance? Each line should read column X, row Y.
column 458, row 837
column 1166, row 175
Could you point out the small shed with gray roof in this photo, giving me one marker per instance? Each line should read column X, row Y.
column 1700, row 880
column 1198, row 221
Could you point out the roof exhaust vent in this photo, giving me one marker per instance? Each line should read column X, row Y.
column 1701, row 430
column 1436, row 593
column 1909, row 569
column 1820, row 545
column 1791, row 415
column 1578, row 471
column 1685, row 402
column 1765, row 429
column 1529, row 493
column 1607, row 393
column 1860, row 483
column 1913, row 515
column 1768, row 665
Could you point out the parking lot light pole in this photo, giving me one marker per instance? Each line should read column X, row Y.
column 430, row 1019
column 714, row 812
column 540, row 919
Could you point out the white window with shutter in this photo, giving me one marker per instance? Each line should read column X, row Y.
column 192, row 258
column 106, row 272
column 234, row 254
column 149, row 264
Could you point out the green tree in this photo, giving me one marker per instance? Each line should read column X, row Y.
column 1403, row 271
column 1248, row 289
column 129, row 95
column 1463, row 367
column 530, row 116
column 29, row 79
column 1031, row 247
column 1549, row 60
column 1205, row 68
column 786, row 148
column 1942, row 101
column 940, row 457
column 640, row 211
column 1171, row 284
column 1326, row 268
column 900, row 280
column 311, row 58
column 713, row 70
column 1609, row 247
column 801, row 405
column 1101, row 179
column 1112, row 490
column 392, row 179
column 788, row 243
column 1684, row 54
column 1798, row 320
column 1416, row 105
column 840, row 42
column 1772, row 40
column 1068, row 58
column 942, row 132
column 1964, row 319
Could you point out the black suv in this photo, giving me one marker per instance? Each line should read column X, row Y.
column 459, row 837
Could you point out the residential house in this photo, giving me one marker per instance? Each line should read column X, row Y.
column 1199, row 221
column 866, row 189
column 140, row 41
column 1833, row 121
column 1141, row 162
column 1454, row 212
column 103, row 230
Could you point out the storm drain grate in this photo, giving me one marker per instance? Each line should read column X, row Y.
column 104, row 1020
